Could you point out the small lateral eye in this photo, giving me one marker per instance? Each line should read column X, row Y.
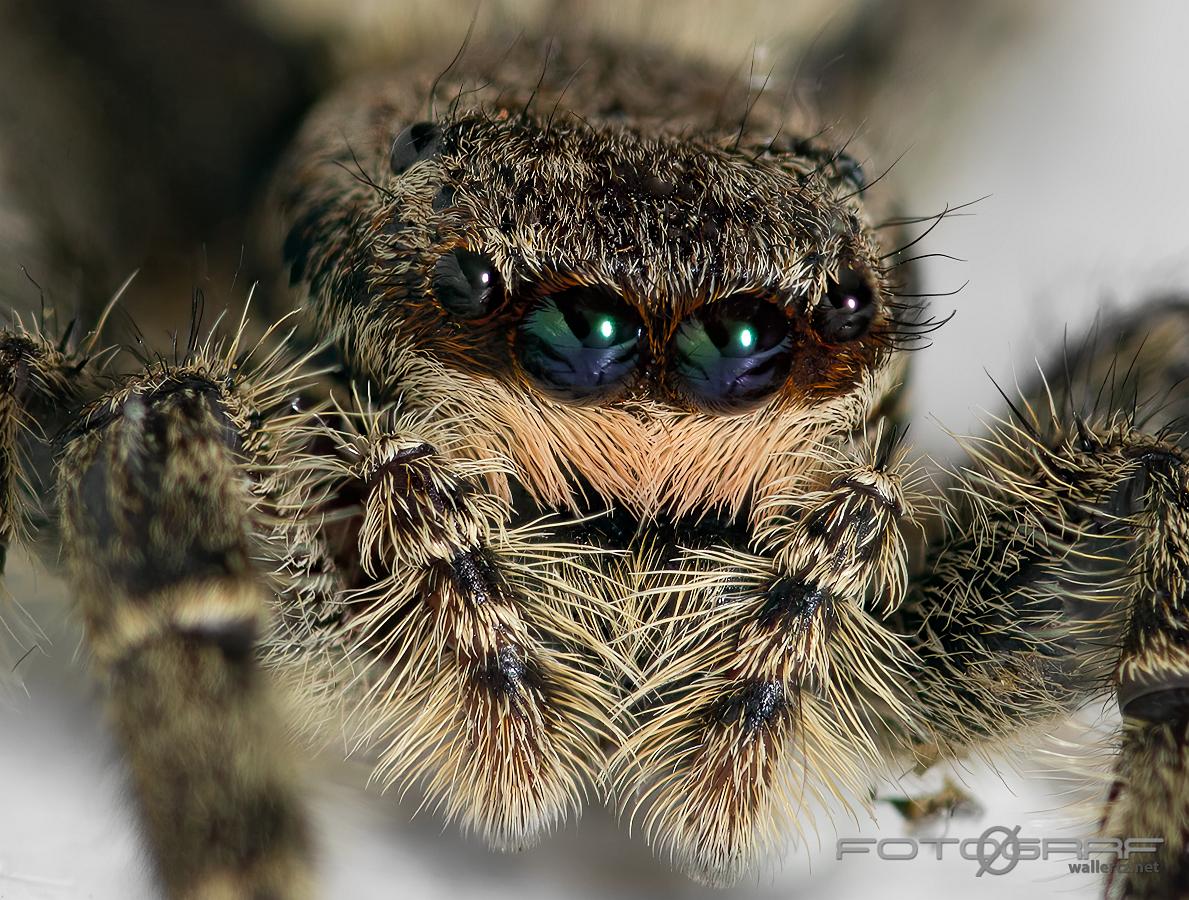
column 467, row 284
column 734, row 353
column 415, row 143
column 579, row 343
column 846, row 311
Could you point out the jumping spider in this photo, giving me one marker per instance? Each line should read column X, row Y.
column 596, row 490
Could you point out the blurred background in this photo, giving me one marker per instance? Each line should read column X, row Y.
column 134, row 136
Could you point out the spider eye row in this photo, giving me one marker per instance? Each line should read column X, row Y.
column 584, row 342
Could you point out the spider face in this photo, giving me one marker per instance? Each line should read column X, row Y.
column 578, row 282
column 611, row 305
column 642, row 314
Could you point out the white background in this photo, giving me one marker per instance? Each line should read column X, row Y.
column 1079, row 133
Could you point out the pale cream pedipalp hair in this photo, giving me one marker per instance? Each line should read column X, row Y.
column 645, row 456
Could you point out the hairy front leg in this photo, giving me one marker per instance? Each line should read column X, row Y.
column 161, row 528
column 470, row 648
column 1063, row 577
column 768, row 681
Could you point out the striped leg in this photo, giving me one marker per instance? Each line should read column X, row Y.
column 768, row 676
column 159, row 529
column 1150, row 796
column 471, row 644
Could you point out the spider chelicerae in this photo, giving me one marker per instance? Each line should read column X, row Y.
column 597, row 491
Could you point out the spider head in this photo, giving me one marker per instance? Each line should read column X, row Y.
column 667, row 317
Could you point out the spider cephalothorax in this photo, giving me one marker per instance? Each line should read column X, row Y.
column 679, row 327
column 601, row 493
column 593, row 290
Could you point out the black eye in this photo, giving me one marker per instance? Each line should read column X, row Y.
column 415, row 143
column 733, row 353
column 579, row 343
column 845, row 313
column 467, row 284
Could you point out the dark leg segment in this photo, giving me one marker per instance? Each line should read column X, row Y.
column 157, row 518
column 469, row 645
column 1064, row 574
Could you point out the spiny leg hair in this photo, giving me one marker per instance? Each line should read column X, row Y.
column 160, row 515
column 470, row 662
column 1061, row 576
column 768, row 676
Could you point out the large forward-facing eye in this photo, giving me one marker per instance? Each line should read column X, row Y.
column 733, row 353
column 579, row 343
column 467, row 284
column 846, row 311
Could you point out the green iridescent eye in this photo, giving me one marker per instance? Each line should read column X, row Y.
column 579, row 343
column 733, row 353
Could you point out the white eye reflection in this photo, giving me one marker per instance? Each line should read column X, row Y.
column 580, row 343
column 733, row 354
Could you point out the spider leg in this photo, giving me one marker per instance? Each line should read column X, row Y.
column 44, row 382
column 1150, row 794
column 468, row 643
column 42, row 385
column 768, row 678
column 162, row 524
column 1063, row 574
column 1068, row 548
